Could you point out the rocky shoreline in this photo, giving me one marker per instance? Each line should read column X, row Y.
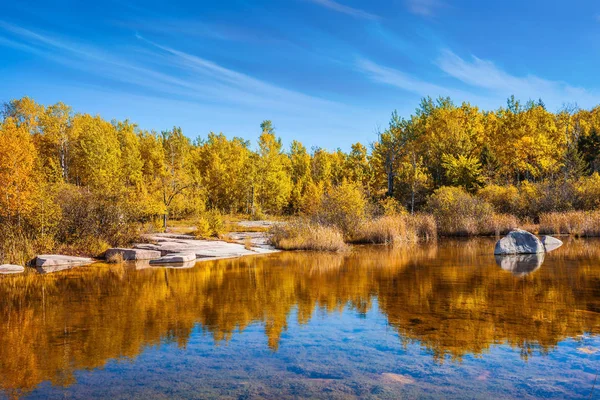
column 161, row 250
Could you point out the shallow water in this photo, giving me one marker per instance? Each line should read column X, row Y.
column 443, row 320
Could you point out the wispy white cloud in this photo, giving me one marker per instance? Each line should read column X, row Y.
column 485, row 74
column 164, row 70
column 344, row 9
column 399, row 79
column 424, row 8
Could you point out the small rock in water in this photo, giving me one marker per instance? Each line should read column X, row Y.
column 397, row 378
column 11, row 269
column 551, row 243
column 519, row 242
column 483, row 376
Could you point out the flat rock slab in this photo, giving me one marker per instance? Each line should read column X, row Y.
column 519, row 242
column 203, row 249
column 11, row 269
column 551, row 243
column 54, row 260
column 132, row 254
column 175, row 258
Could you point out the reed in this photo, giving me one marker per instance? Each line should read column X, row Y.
column 576, row 223
column 304, row 235
column 396, row 229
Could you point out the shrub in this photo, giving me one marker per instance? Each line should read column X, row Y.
column 504, row 199
column 215, row 222
column 344, row 207
column 305, row 235
column 458, row 213
column 390, row 207
column 588, row 192
column 209, row 224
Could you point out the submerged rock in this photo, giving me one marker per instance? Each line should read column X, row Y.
column 519, row 242
column 520, row 264
column 175, row 258
column 397, row 378
column 131, row 254
column 551, row 243
column 11, row 269
column 54, row 260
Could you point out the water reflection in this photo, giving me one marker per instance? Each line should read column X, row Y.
column 451, row 298
column 520, row 264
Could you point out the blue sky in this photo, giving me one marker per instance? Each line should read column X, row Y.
column 327, row 72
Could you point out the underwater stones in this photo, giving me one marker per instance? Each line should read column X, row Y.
column 519, row 242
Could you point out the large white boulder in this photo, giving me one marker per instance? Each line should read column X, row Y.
column 519, row 242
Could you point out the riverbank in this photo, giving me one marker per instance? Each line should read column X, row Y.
column 170, row 249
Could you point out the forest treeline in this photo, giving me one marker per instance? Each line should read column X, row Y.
column 69, row 177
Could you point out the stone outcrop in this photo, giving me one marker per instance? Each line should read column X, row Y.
column 11, row 269
column 519, row 242
column 131, row 254
column 203, row 249
column 55, row 260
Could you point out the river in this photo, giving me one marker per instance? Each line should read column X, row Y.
column 441, row 320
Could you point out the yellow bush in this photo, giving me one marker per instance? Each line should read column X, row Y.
column 344, row 207
column 209, row 224
column 459, row 213
column 389, row 207
column 588, row 192
column 504, row 199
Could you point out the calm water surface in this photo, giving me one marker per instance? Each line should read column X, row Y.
column 443, row 320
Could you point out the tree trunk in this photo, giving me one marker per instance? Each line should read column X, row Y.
column 165, row 217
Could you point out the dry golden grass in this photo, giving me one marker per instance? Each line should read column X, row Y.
column 115, row 258
column 498, row 224
column 396, row 229
column 576, row 223
column 303, row 235
column 248, row 243
column 423, row 225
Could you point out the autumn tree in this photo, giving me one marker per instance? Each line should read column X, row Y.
column 273, row 181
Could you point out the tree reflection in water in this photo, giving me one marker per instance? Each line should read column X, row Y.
column 450, row 297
